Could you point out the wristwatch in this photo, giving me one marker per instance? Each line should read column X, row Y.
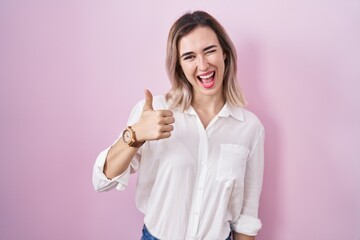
column 129, row 138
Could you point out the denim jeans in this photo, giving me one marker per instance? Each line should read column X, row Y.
column 147, row 236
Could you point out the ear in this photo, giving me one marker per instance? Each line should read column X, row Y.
column 225, row 56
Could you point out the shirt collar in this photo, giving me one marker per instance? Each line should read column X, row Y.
column 191, row 111
column 235, row 112
column 226, row 111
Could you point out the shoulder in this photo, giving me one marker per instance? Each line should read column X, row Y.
column 159, row 102
column 248, row 117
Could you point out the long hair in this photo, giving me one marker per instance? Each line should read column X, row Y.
column 181, row 93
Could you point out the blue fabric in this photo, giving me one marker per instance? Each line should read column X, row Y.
column 147, row 235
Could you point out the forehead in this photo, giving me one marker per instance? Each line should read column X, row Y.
column 197, row 40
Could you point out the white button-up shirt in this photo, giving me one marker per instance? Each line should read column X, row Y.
column 200, row 182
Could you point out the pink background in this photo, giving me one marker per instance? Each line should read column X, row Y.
column 70, row 71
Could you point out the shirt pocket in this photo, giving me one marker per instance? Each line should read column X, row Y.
column 232, row 162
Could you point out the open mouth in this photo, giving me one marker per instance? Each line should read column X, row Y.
column 207, row 80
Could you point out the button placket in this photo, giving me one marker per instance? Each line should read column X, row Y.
column 203, row 154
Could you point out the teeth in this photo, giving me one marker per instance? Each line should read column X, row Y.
column 206, row 76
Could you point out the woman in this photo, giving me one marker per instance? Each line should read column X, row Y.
column 198, row 152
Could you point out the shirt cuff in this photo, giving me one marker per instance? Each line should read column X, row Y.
column 247, row 225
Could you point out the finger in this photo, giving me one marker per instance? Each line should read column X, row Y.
column 167, row 128
column 165, row 135
column 165, row 113
column 148, row 101
column 168, row 120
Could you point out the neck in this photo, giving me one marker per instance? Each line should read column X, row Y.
column 208, row 104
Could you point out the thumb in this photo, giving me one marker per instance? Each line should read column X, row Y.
column 148, row 101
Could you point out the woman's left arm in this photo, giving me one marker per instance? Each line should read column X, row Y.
column 248, row 223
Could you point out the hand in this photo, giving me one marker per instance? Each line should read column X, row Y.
column 153, row 125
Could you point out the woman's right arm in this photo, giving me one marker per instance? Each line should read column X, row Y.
column 152, row 125
column 118, row 159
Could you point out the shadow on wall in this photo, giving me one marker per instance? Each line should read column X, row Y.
column 249, row 74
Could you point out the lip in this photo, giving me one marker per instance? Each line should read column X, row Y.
column 207, row 73
column 209, row 82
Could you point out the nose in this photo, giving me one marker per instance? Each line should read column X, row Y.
column 203, row 63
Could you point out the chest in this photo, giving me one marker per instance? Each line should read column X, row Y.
column 192, row 147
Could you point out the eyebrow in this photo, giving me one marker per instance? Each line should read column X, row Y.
column 204, row 50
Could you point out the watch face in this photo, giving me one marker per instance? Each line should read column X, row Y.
column 127, row 136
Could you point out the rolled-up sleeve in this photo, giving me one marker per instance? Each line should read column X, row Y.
column 100, row 181
column 248, row 223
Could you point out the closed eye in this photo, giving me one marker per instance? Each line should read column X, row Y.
column 189, row 57
column 211, row 51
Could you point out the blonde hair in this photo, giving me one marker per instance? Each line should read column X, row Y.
column 181, row 93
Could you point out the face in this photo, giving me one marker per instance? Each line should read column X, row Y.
column 202, row 61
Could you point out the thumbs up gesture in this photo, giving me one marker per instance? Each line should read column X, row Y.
column 153, row 124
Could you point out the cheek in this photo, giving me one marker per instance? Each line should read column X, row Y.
column 187, row 70
column 220, row 62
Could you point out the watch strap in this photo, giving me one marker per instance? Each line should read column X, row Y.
column 134, row 142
